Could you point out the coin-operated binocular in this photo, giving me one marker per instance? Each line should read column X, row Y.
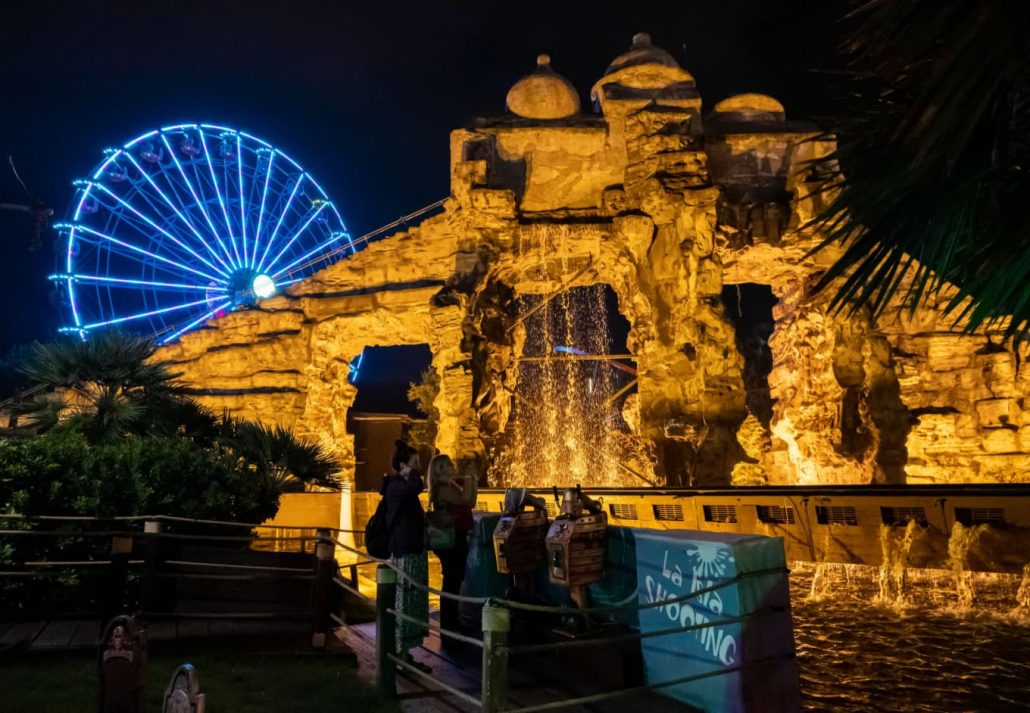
column 519, row 538
column 576, row 544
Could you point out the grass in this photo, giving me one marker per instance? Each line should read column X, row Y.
column 232, row 681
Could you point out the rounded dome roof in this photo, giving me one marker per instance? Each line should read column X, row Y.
column 642, row 52
column 749, row 107
column 543, row 94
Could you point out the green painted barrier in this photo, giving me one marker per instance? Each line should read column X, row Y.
column 481, row 576
column 755, row 637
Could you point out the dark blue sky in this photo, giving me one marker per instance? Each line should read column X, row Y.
column 362, row 94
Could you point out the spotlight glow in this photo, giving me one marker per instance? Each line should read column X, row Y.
column 263, row 286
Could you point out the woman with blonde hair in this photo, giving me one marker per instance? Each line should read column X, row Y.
column 406, row 521
column 456, row 496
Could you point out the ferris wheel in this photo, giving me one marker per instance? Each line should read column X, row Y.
column 187, row 222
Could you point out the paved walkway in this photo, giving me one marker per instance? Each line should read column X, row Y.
column 532, row 683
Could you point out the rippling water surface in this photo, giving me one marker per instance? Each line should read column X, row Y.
column 918, row 651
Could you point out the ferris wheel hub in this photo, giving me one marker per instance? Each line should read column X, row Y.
column 247, row 286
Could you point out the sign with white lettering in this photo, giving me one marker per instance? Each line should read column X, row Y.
column 723, row 590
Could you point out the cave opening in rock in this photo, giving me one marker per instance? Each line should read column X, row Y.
column 749, row 308
column 384, row 375
column 575, row 375
column 382, row 410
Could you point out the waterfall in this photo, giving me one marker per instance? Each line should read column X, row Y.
column 565, row 424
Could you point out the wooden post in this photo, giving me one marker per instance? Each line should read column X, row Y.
column 386, row 630
column 321, row 589
column 151, row 561
column 114, row 599
column 496, row 624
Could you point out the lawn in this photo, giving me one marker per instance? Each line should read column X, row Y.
column 235, row 682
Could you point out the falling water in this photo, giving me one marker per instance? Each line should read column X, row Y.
column 896, row 545
column 566, row 418
column 962, row 540
column 1023, row 593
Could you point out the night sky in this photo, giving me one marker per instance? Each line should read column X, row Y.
column 362, row 94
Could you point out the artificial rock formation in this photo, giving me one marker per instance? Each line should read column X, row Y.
column 668, row 207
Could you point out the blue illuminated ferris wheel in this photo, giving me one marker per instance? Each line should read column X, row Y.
column 187, row 222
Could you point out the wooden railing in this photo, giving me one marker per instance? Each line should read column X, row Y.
column 168, row 568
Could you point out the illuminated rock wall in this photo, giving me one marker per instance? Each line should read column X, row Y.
column 667, row 207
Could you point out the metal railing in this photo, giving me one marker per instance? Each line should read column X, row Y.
column 497, row 651
column 367, row 238
column 493, row 695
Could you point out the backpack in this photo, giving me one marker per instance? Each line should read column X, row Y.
column 377, row 533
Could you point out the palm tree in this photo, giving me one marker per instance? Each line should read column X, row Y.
column 111, row 386
column 284, row 463
column 106, row 386
column 934, row 150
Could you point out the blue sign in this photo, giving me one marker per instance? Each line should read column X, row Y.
column 742, row 612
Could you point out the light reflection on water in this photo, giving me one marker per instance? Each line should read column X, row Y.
column 918, row 653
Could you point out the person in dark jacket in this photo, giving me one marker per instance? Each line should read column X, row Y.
column 406, row 521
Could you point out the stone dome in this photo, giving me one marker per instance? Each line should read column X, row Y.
column 749, row 107
column 543, row 94
column 642, row 52
column 642, row 75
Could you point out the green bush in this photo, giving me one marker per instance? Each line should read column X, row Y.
column 114, row 434
column 61, row 473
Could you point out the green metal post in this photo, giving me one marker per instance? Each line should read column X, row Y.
column 496, row 625
column 386, row 630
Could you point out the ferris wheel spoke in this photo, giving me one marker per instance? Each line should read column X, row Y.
column 149, row 221
column 318, row 248
column 183, row 218
column 243, row 202
column 197, row 200
column 296, row 235
column 218, row 193
column 133, row 283
column 199, row 320
column 141, row 251
column 261, row 211
column 142, row 315
column 278, row 224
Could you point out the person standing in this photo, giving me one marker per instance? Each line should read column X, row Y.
column 457, row 495
column 406, row 520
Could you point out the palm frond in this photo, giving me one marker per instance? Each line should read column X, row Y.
column 110, row 385
column 43, row 412
column 286, row 462
column 933, row 151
